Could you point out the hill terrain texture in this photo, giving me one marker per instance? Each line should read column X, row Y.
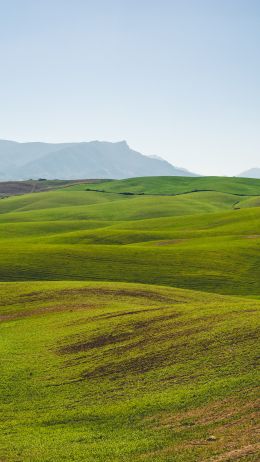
column 129, row 318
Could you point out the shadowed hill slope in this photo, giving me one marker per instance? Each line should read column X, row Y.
column 12, row 188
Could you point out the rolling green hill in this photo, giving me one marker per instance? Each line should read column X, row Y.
column 178, row 185
column 112, row 372
column 206, row 240
column 129, row 322
column 76, row 205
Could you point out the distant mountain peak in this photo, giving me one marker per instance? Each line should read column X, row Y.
column 251, row 173
column 93, row 159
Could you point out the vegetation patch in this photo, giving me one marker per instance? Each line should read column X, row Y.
column 129, row 322
column 119, row 373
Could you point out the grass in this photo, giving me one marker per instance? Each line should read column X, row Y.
column 59, row 204
column 112, row 372
column 204, row 242
column 129, row 323
column 177, row 185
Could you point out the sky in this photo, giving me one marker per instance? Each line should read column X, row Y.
column 175, row 78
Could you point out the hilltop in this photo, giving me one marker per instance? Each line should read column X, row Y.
column 169, row 185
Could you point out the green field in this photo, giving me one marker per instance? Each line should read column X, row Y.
column 180, row 185
column 129, row 322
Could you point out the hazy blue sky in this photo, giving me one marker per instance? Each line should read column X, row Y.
column 178, row 78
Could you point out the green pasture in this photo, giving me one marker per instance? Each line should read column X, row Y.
column 123, row 372
column 177, row 185
column 200, row 240
column 129, row 322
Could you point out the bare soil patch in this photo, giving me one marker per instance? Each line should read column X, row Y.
column 236, row 454
column 102, row 291
column 46, row 310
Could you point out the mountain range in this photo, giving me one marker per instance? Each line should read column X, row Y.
column 251, row 173
column 94, row 159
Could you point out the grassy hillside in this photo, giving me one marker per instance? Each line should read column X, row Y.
column 57, row 205
column 112, row 372
column 202, row 239
column 178, row 185
column 106, row 353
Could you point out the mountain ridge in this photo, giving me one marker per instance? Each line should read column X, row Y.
column 92, row 159
column 251, row 173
